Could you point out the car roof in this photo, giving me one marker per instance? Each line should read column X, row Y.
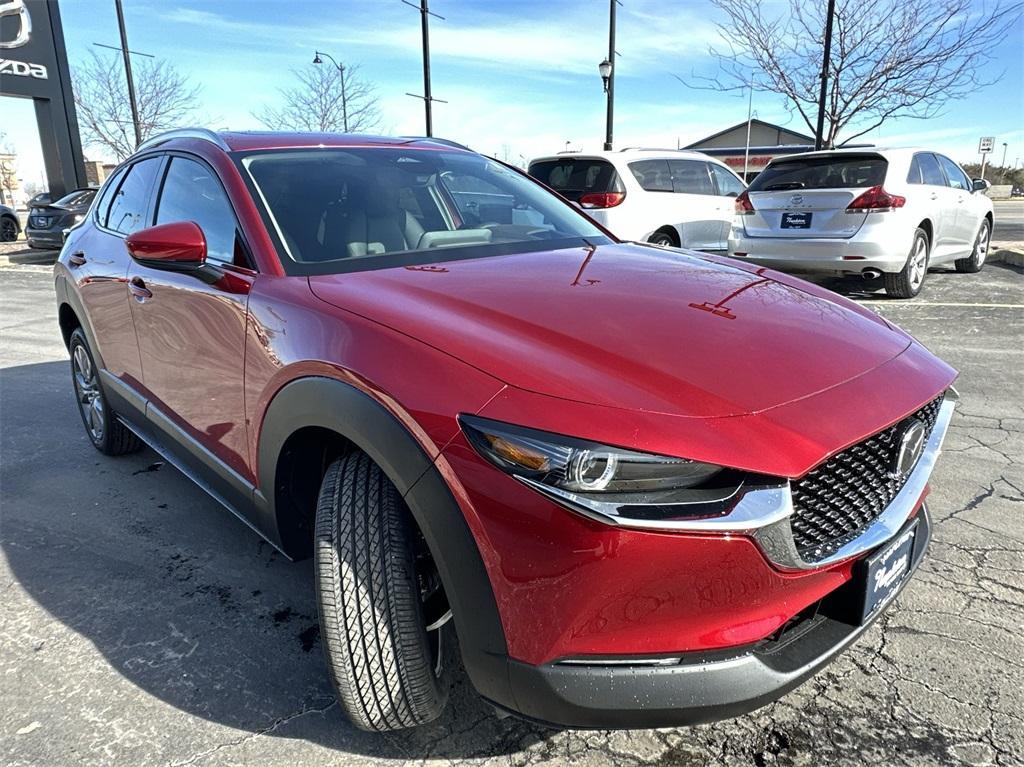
column 888, row 152
column 246, row 141
column 630, row 154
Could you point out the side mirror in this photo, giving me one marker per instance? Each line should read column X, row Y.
column 981, row 185
column 178, row 246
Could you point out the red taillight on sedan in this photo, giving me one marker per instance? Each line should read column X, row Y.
column 743, row 205
column 876, row 200
column 601, row 199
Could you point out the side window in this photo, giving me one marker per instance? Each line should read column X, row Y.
column 931, row 173
column 728, row 184
column 956, row 177
column 128, row 208
column 652, row 175
column 914, row 174
column 103, row 206
column 192, row 193
column 691, row 177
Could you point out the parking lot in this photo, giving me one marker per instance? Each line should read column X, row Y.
column 144, row 625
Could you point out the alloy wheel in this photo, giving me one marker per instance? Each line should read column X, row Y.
column 918, row 264
column 981, row 246
column 87, row 390
column 8, row 231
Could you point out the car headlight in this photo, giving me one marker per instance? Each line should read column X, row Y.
column 620, row 486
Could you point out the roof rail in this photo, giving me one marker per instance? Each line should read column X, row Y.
column 203, row 134
column 651, row 149
column 441, row 141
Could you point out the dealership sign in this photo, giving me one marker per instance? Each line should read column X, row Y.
column 16, row 35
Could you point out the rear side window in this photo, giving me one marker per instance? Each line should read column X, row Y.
column 192, row 193
column 130, row 203
column 956, row 177
column 103, row 206
column 924, row 169
column 728, row 184
column 573, row 177
column 691, row 177
column 829, row 172
column 652, row 175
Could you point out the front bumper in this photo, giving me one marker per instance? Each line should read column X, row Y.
column 696, row 688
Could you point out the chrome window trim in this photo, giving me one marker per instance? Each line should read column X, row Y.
column 764, row 514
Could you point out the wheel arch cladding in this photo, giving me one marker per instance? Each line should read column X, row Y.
column 338, row 408
column 926, row 226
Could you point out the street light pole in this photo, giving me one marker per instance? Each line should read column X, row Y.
column 609, row 78
column 428, row 99
column 818, row 137
column 1002, row 165
column 341, row 74
column 128, row 73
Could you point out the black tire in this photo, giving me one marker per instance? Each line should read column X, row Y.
column 976, row 260
column 372, row 623
column 664, row 238
column 8, row 229
column 104, row 430
column 907, row 282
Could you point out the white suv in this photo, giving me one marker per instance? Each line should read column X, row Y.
column 655, row 195
column 875, row 212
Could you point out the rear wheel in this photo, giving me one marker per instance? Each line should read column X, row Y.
column 907, row 282
column 976, row 260
column 665, row 238
column 383, row 613
column 8, row 229
column 107, row 434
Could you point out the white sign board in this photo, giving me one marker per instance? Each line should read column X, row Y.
column 986, row 144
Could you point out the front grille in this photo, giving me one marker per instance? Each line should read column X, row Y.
column 839, row 498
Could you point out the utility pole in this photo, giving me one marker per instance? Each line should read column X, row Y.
column 610, row 82
column 1002, row 165
column 746, row 152
column 128, row 73
column 825, row 61
column 428, row 99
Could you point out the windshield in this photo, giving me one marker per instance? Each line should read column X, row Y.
column 350, row 209
column 79, row 198
column 821, row 172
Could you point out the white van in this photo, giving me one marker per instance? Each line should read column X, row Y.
column 661, row 196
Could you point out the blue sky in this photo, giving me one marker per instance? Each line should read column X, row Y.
column 520, row 77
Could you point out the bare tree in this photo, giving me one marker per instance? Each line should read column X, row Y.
column 166, row 99
column 890, row 58
column 8, row 170
column 316, row 104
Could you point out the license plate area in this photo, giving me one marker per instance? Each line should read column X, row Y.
column 796, row 220
column 882, row 574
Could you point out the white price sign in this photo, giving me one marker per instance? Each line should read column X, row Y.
column 986, row 144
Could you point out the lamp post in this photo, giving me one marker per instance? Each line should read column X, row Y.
column 341, row 73
column 1002, row 165
column 607, row 70
column 128, row 73
column 819, row 139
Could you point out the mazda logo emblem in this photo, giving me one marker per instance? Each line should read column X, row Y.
column 17, row 7
column 911, row 446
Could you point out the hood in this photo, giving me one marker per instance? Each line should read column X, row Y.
column 627, row 326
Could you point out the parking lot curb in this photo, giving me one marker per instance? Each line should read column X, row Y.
column 1009, row 253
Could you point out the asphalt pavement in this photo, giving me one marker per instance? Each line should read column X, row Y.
column 143, row 625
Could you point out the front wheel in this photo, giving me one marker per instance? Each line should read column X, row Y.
column 976, row 260
column 8, row 229
column 663, row 239
column 907, row 282
column 383, row 614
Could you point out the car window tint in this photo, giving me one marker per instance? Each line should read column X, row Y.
column 192, row 193
column 914, row 174
column 954, row 176
column 728, row 184
column 652, row 175
column 931, row 173
column 103, row 206
column 573, row 177
column 691, row 177
column 823, row 172
column 128, row 208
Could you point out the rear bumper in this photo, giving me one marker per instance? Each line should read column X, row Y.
column 849, row 256
column 45, row 238
column 693, row 689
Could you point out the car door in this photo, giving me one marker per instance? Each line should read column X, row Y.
column 99, row 262
column 700, row 207
column 728, row 187
column 964, row 223
column 191, row 324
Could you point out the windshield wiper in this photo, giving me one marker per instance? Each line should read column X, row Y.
column 784, row 185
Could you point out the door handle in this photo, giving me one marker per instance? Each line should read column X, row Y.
column 935, row 195
column 139, row 290
column 77, row 258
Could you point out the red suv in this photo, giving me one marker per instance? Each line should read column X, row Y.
column 643, row 487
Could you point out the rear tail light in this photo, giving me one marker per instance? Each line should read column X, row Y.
column 601, row 199
column 743, row 205
column 876, row 199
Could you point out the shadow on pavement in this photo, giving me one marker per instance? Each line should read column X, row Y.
column 179, row 597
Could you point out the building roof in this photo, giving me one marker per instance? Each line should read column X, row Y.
column 799, row 138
